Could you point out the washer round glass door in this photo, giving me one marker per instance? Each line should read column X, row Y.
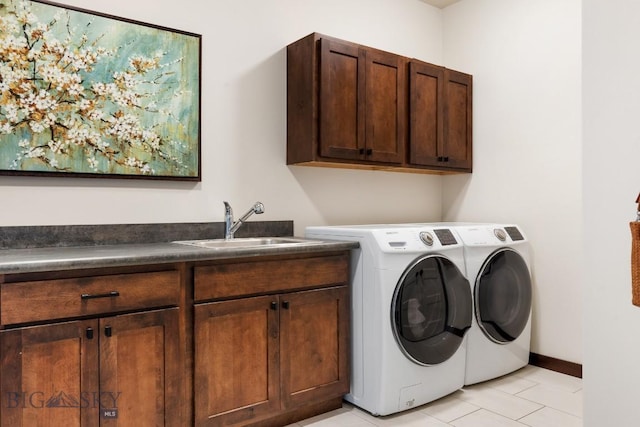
column 503, row 296
column 431, row 310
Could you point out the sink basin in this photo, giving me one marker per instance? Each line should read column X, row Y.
column 250, row 242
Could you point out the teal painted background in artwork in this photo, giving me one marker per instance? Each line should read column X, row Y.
column 90, row 94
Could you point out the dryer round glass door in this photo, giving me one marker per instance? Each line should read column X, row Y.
column 503, row 296
column 431, row 310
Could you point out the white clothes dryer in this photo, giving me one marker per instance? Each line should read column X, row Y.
column 497, row 261
column 411, row 309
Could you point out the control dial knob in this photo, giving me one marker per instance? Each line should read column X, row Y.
column 427, row 238
column 500, row 234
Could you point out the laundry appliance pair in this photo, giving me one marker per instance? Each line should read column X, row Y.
column 434, row 307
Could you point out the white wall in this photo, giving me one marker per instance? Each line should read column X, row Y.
column 525, row 59
column 244, row 123
column 611, row 182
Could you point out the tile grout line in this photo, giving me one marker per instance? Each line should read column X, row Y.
column 552, row 407
column 461, row 416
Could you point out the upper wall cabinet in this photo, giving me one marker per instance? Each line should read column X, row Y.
column 347, row 103
column 439, row 117
column 350, row 105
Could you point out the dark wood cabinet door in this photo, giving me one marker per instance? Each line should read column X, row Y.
column 49, row 375
column 426, row 87
column 457, row 119
column 236, row 360
column 314, row 345
column 386, row 111
column 341, row 110
column 140, row 369
column 440, row 126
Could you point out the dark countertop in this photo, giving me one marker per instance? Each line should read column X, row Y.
column 81, row 257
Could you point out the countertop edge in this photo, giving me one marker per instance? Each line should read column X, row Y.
column 17, row 261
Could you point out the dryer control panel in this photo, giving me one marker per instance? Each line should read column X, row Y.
column 489, row 234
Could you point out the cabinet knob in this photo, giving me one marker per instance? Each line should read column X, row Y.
column 274, row 305
column 89, row 333
column 369, row 151
column 285, row 305
column 107, row 331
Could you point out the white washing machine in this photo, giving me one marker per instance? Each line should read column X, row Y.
column 411, row 309
column 498, row 266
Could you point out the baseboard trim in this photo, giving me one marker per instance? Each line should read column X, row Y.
column 558, row 365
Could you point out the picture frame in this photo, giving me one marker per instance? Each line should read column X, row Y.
column 86, row 94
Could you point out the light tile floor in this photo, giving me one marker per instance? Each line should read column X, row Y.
column 532, row 396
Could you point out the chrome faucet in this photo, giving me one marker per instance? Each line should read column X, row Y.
column 230, row 227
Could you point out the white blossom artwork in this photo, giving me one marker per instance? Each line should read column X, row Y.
column 91, row 94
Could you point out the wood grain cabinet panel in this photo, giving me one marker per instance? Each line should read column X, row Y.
column 350, row 105
column 341, row 91
column 271, row 339
column 116, row 371
column 236, row 361
column 34, row 301
column 259, row 356
column 253, row 341
column 458, row 119
column 233, row 279
column 121, row 363
column 314, row 341
column 140, row 365
column 426, row 108
column 440, row 108
column 49, row 375
column 346, row 103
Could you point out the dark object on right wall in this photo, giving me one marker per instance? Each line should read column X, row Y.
column 635, row 257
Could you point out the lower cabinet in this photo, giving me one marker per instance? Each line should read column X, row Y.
column 247, row 341
column 256, row 357
column 112, row 371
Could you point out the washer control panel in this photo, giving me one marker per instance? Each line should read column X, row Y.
column 415, row 240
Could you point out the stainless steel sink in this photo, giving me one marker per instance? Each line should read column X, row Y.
column 249, row 242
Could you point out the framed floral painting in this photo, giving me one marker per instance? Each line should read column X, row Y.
column 92, row 95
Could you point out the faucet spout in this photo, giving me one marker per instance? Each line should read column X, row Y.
column 228, row 221
column 231, row 226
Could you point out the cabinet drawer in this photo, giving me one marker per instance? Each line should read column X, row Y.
column 24, row 302
column 251, row 278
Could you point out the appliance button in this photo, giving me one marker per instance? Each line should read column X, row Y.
column 500, row 234
column 427, row 238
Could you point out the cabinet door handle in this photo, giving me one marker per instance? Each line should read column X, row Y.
column 274, row 305
column 369, row 151
column 89, row 333
column 285, row 305
column 361, row 151
column 94, row 296
column 445, row 159
column 107, row 331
